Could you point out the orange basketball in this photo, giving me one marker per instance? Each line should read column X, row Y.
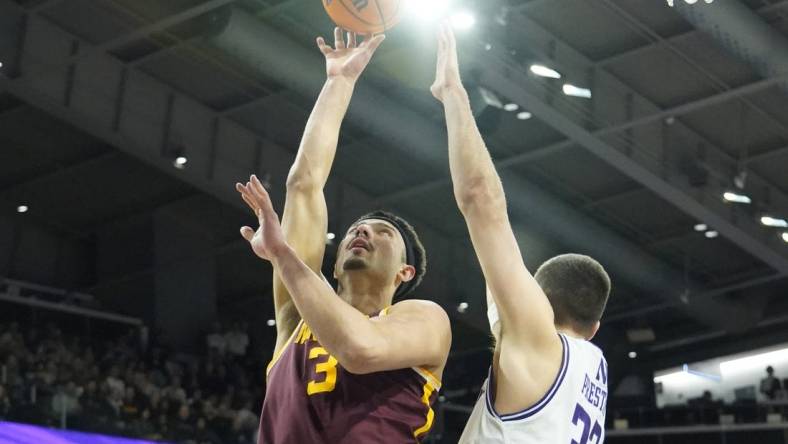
column 364, row 16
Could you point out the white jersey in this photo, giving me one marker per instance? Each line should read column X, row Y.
column 571, row 412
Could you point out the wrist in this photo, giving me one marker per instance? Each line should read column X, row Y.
column 340, row 81
column 280, row 254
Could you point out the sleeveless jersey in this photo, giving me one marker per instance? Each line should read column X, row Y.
column 311, row 398
column 571, row 412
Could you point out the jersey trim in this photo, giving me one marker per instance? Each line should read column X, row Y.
column 542, row 403
column 281, row 351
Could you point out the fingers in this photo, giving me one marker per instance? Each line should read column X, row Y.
column 375, row 42
column 246, row 197
column 352, row 41
column 266, row 211
column 247, row 233
column 324, row 48
column 339, row 41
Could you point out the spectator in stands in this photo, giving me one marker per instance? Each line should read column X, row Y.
column 770, row 385
column 203, row 435
column 216, row 340
column 66, row 400
column 237, row 340
column 5, row 403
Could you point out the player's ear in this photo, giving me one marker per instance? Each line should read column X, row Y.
column 594, row 330
column 407, row 273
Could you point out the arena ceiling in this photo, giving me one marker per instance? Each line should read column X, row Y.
column 97, row 98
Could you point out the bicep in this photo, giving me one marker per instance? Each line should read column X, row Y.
column 525, row 312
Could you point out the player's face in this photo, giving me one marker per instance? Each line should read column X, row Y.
column 374, row 245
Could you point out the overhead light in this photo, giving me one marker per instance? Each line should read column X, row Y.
column 543, row 71
column 730, row 196
column 1, row 64
column 785, row 236
column 180, row 162
column 701, row 227
column 22, row 209
column 463, row 307
column 487, row 47
column 463, row 20
column 271, row 322
column 633, row 355
column 331, row 236
column 711, row 234
column 511, row 107
column 754, row 362
column 429, row 10
column 774, row 222
column 524, row 115
column 576, row 91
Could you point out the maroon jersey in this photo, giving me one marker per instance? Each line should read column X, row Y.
column 310, row 398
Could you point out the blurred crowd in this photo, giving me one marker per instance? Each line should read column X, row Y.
column 130, row 385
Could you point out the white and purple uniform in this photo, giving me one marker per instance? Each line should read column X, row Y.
column 571, row 412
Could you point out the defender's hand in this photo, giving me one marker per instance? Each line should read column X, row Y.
column 447, row 73
column 348, row 59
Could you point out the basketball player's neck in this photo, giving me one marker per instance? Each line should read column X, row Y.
column 365, row 294
column 568, row 331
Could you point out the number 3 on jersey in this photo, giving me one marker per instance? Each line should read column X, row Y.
column 589, row 434
column 329, row 368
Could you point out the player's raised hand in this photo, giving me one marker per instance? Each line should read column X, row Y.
column 268, row 240
column 447, row 71
column 348, row 58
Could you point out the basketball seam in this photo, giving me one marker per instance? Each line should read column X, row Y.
column 351, row 11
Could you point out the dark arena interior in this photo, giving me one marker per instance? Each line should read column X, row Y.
column 650, row 135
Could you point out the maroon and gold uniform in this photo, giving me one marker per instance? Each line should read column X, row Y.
column 311, row 398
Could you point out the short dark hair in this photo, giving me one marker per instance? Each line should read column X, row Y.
column 578, row 288
column 411, row 238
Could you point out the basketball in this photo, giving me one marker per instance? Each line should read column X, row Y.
column 364, row 16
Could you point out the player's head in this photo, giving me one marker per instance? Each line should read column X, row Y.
column 385, row 246
column 577, row 287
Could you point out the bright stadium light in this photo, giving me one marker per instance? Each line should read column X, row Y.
column 774, row 222
column 633, row 355
column 711, row 234
column 701, row 227
column 754, row 362
column 271, row 322
column 730, row 196
column 785, row 236
column 22, row 209
column 689, row 2
column 463, row 20
column 543, row 71
column 524, row 115
column 575, row 91
column 463, row 307
column 427, row 9
column 511, row 107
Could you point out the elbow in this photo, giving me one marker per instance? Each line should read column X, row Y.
column 301, row 181
column 359, row 359
column 480, row 196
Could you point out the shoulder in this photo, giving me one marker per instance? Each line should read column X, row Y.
column 420, row 307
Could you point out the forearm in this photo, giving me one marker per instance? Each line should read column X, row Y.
column 337, row 325
column 321, row 136
column 472, row 170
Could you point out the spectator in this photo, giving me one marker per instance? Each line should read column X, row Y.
column 182, row 428
column 203, row 435
column 5, row 403
column 770, row 385
column 216, row 340
column 66, row 400
column 237, row 340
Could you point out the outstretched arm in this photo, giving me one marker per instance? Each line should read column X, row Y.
column 305, row 218
column 413, row 334
column 526, row 317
